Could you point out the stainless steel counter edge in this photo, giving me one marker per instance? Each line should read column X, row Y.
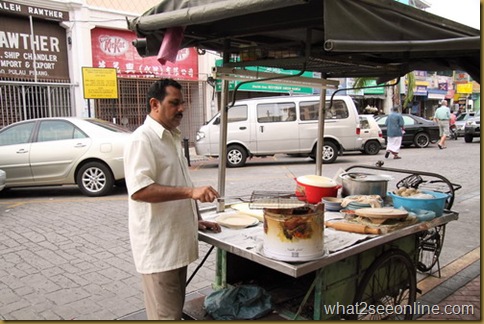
column 299, row 269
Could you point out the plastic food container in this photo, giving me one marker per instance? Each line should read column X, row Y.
column 436, row 204
column 313, row 187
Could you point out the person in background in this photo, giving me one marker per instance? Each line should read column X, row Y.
column 453, row 118
column 163, row 214
column 442, row 117
column 395, row 131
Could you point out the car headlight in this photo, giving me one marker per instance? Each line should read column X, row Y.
column 200, row 136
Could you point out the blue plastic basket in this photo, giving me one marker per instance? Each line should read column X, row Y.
column 436, row 204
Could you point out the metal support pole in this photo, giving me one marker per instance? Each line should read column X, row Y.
column 320, row 143
column 186, row 149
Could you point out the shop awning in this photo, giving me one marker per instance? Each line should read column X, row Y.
column 339, row 38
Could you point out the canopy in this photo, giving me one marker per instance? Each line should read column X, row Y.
column 339, row 38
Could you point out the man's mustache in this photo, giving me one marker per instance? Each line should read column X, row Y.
column 180, row 115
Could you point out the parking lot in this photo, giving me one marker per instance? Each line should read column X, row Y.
column 65, row 256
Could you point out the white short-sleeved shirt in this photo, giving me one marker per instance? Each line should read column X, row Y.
column 164, row 236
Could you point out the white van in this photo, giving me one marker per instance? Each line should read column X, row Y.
column 286, row 124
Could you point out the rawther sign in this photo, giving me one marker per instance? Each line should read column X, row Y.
column 22, row 56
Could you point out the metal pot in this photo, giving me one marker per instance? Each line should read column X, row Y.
column 357, row 183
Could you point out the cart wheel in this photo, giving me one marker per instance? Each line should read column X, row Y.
column 429, row 248
column 388, row 289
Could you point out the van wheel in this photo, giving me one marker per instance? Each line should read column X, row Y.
column 330, row 152
column 371, row 147
column 236, row 156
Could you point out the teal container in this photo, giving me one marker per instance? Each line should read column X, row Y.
column 436, row 204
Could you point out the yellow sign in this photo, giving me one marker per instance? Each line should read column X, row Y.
column 464, row 87
column 99, row 83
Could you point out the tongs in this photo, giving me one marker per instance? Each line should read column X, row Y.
column 240, row 198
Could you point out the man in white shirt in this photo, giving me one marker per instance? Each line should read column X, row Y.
column 163, row 213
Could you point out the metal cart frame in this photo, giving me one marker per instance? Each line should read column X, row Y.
column 376, row 272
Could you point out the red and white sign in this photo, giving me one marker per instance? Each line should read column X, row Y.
column 114, row 49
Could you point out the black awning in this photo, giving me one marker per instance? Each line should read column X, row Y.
column 339, row 38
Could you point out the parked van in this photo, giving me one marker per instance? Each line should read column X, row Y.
column 286, row 124
column 371, row 135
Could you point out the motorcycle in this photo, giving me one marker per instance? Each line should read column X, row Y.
column 453, row 132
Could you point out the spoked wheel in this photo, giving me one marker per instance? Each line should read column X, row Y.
column 388, row 289
column 429, row 248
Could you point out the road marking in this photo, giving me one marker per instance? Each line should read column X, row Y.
column 430, row 282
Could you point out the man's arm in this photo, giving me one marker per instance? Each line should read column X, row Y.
column 156, row 193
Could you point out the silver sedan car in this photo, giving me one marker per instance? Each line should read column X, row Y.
column 63, row 151
column 3, row 178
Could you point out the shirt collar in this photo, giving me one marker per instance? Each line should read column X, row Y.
column 158, row 128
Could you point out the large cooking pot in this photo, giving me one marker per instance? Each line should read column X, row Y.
column 312, row 188
column 358, row 183
column 294, row 235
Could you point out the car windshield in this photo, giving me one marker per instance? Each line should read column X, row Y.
column 109, row 126
column 464, row 116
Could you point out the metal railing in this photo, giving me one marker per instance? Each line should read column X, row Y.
column 27, row 100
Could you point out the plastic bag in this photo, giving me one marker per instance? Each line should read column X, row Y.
column 238, row 303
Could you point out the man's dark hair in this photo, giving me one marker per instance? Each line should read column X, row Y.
column 158, row 90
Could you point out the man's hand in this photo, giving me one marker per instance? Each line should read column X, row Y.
column 209, row 226
column 204, row 194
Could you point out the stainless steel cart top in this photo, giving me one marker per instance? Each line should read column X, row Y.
column 246, row 242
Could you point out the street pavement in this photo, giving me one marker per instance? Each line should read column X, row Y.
column 67, row 257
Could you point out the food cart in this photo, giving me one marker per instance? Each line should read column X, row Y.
column 359, row 276
column 338, row 38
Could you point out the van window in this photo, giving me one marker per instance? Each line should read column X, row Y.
column 276, row 112
column 309, row 110
column 237, row 114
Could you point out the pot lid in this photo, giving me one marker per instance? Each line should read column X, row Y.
column 317, row 181
column 365, row 177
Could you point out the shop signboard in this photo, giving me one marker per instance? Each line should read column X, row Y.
column 460, row 76
column 113, row 49
column 99, row 83
column 29, row 53
column 373, row 91
column 464, row 87
column 420, row 90
column 267, row 86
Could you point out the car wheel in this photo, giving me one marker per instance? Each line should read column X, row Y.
column 372, row 147
column 95, row 179
column 421, row 140
column 468, row 138
column 236, row 156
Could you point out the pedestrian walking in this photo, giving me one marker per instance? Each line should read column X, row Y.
column 395, row 131
column 442, row 117
column 163, row 214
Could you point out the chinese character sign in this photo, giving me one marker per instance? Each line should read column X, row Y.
column 114, row 49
